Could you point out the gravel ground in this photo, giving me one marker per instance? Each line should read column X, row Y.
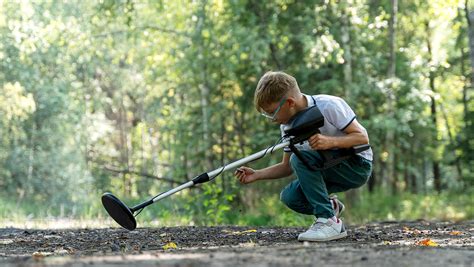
column 419, row 243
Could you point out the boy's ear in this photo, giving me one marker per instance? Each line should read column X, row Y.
column 291, row 102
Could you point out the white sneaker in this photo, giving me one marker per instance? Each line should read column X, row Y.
column 337, row 205
column 324, row 230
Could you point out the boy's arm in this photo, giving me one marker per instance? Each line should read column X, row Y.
column 356, row 135
column 248, row 175
column 280, row 170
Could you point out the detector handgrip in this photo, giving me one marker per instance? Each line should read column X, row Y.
column 360, row 148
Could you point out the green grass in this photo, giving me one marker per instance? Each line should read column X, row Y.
column 377, row 206
column 406, row 206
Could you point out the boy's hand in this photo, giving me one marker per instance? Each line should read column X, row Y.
column 321, row 142
column 246, row 175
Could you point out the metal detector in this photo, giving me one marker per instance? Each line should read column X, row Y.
column 302, row 126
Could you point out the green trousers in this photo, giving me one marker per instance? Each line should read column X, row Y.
column 309, row 193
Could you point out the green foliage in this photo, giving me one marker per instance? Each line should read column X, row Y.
column 137, row 97
column 371, row 207
column 378, row 206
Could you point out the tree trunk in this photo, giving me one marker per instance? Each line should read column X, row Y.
column 452, row 142
column 346, row 46
column 394, row 168
column 351, row 195
column 436, row 167
column 406, row 175
column 238, row 121
column 392, row 24
column 222, row 154
column 424, row 175
column 124, row 148
column 204, row 86
column 465, row 98
column 468, row 114
column 465, row 104
column 470, row 19
column 273, row 52
column 436, row 171
column 391, row 74
column 413, row 159
column 205, row 124
column 373, row 177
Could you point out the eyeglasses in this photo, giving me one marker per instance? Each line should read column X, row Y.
column 274, row 113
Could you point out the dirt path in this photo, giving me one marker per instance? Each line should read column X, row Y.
column 399, row 243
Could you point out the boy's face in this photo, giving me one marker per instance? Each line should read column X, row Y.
column 280, row 112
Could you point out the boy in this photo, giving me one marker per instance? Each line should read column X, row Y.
column 279, row 98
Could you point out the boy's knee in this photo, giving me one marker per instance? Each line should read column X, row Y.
column 364, row 180
column 288, row 198
column 294, row 203
column 360, row 181
column 285, row 197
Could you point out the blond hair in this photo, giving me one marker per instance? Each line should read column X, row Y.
column 272, row 87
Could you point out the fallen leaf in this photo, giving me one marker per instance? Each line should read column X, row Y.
column 170, row 245
column 249, row 231
column 37, row 255
column 455, row 233
column 240, row 232
column 411, row 231
column 427, row 242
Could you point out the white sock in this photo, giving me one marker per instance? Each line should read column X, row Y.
column 334, row 219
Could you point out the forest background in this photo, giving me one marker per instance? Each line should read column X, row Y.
column 136, row 97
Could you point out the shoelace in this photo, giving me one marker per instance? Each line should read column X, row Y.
column 317, row 225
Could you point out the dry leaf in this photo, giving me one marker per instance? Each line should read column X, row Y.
column 249, row 231
column 411, row 231
column 455, row 233
column 37, row 255
column 240, row 232
column 427, row 242
column 170, row 245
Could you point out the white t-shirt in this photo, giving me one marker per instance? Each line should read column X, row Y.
column 337, row 116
